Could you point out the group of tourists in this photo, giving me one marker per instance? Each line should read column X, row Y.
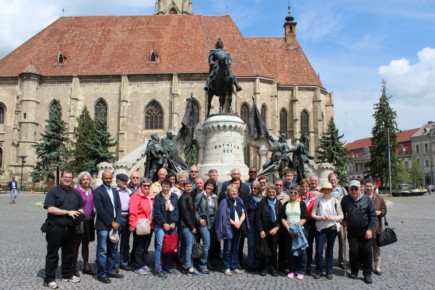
column 285, row 224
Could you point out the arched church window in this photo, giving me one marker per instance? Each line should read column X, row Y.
column 283, row 121
column 55, row 105
column 153, row 116
column 101, row 110
column 305, row 125
column 264, row 114
column 244, row 112
column 2, row 114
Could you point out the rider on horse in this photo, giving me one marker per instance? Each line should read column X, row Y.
column 212, row 59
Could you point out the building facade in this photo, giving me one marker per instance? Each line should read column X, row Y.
column 423, row 146
column 358, row 157
column 139, row 71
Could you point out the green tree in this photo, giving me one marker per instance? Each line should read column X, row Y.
column 51, row 151
column 417, row 172
column 332, row 150
column 102, row 141
column 83, row 152
column 402, row 173
column 385, row 118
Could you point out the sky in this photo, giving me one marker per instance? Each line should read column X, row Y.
column 352, row 44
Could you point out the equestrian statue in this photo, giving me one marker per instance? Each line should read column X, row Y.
column 221, row 79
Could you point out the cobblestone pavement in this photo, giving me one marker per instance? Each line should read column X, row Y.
column 408, row 264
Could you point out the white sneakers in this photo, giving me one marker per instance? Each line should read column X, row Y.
column 73, row 279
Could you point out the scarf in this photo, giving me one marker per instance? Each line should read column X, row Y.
column 255, row 198
column 271, row 203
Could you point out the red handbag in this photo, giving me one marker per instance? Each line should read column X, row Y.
column 170, row 244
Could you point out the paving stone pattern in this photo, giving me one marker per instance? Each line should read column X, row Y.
column 408, row 264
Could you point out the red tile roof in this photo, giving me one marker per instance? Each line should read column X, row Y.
column 114, row 45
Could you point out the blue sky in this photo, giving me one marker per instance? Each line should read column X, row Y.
column 352, row 44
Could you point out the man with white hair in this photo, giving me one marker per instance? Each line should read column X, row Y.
column 161, row 174
column 314, row 185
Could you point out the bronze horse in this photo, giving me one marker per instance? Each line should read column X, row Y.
column 222, row 83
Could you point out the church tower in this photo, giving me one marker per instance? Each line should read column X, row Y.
column 290, row 28
column 173, row 7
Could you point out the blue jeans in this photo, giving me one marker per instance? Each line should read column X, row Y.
column 160, row 261
column 231, row 251
column 297, row 264
column 124, row 246
column 253, row 238
column 326, row 235
column 205, row 235
column 186, row 246
column 105, row 260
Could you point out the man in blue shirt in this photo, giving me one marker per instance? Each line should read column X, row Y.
column 12, row 185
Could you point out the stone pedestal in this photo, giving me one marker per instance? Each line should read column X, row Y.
column 223, row 139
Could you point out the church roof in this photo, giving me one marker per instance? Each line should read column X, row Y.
column 115, row 45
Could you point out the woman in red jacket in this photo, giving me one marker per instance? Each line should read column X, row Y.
column 141, row 206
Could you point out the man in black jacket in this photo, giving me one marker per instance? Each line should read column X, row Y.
column 360, row 220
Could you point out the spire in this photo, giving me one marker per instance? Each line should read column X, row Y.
column 173, row 7
column 290, row 28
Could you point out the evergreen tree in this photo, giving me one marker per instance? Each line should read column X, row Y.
column 385, row 118
column 51, row 151
column 83, row 152
column 332, row 150
column 102, row 142
column 417, row 173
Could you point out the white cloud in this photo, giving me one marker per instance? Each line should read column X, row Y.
column 411, row 81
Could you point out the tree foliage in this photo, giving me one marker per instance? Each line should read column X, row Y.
column 385, row 118
column 417, row 173
column 83, row 144
column 402, row 173
column 103, row 141
column 91, row 143
column 51, row 151
column 332, row 150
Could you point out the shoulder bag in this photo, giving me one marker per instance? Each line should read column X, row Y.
column 143, row 225
column 386, row 235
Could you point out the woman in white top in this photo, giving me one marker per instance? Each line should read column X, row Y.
column 327, row 213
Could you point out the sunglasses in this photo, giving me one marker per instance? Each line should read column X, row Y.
column 252, row 171
column 193, row 171
column 294, row 192
column 279, row 185
column 354, row 189
column 146, row 185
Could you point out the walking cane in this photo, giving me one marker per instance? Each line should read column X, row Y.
column 345, row 252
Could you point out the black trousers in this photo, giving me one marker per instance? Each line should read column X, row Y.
column 59, row 238
column 140, row 246
column 310, row 228
column 272, row 262
column 360, row 252
column 283, row 249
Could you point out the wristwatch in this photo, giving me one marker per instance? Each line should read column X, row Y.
column 67, row 212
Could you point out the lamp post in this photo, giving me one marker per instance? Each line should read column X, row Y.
column 23, row 160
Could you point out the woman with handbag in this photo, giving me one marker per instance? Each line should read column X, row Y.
column 141, row 224
column 381, row 211
column 206, row 205
column 268, row 223
column 187, row 228
column 327, row 214
column 166, row 217
column 88, row 235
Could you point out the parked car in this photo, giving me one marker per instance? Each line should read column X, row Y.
column 404, row 186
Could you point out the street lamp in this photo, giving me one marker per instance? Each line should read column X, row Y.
column 23, row 160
